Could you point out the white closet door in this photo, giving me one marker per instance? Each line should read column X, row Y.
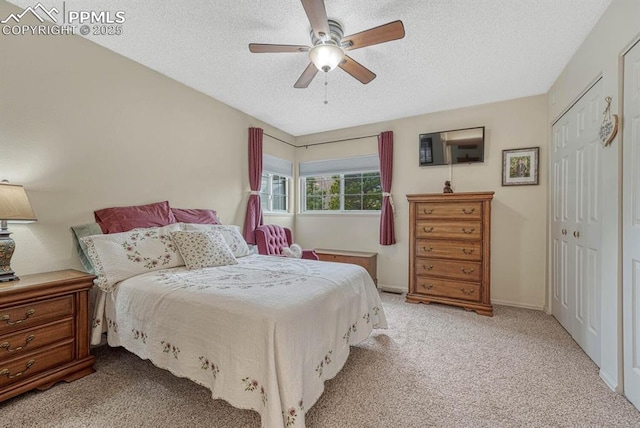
column 576, row 236
column 631, row 225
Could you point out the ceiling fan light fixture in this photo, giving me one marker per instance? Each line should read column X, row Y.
column 326, row 57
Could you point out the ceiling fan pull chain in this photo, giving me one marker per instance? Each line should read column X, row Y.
column 325, row 88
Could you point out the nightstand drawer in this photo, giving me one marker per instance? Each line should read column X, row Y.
column 36, row 362
column 23, row 341
column 448, row 210
column 466, row 271
column 471, row 230
column 449, row 289
column 36, row 313
column 460, row 250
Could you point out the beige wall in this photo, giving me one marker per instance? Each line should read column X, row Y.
column 519, row 212
column 84, row 128
column 600, row 56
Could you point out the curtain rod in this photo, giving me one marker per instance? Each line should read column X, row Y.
column 306, row 146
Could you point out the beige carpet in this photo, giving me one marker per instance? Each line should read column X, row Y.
column 435, row 366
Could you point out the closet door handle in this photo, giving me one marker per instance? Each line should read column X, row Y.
column 576, row 234
column 564, row 232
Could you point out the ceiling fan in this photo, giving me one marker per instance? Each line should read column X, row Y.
column 329, row 45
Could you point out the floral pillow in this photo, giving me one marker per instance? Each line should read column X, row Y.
column 231, row 235
column 119, row 256
column 201, row 249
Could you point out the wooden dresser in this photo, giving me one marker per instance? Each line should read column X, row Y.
column 44, row 331
column 361, row 258
column 449, row 250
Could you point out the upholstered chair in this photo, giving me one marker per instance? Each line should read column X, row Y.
column 271, row 238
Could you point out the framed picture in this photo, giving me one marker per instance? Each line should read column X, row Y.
column 520, row 166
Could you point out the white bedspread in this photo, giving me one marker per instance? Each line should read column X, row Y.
column 264, row 334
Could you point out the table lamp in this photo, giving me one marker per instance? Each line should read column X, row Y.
column 14, row 207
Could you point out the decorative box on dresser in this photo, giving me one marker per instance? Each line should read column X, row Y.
column 44, row 331
column 450, row 251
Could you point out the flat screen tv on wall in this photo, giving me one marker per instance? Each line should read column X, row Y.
column 451, row 147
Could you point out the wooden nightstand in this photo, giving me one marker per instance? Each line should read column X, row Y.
column 44, row 331
column 369, row 261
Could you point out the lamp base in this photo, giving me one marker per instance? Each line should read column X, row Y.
column 7, row 247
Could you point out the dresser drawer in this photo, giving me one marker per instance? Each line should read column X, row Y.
column 447, row 210
column 464, row 270
column 18, row 317
column 460, row 250
column 23, row 341
column 471, row 230
column 450, row 289
column 33, row 363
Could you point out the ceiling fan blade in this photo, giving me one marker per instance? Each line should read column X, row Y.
column 265, row 48
column 373, row 36
column 357, row 70
column 307, row 76
column 317, row 15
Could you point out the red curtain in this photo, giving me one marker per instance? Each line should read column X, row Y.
column 385, row 151
column 254, row 210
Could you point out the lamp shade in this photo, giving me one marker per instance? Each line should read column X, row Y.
column 14, row 203
column 326, row 57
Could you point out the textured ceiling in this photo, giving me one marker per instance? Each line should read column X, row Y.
column 455, row 53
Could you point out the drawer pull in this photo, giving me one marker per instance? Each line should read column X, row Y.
column 465, row 292
column 427, row 212
column 467, row 272
column 6, row 345
column 427, row 268
column 467, row 252
column 428, row 287
column 468, row 232
column 464, row 210
column 428, row 250
column 6, row 317
column 7, row 373
column 428, row 230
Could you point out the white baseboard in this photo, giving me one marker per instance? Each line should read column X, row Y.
column 517, row 304
column 611, row 383
column 391, row 289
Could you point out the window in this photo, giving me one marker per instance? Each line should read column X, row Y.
column 341, row 185
column 274, row 193
column 274, row 188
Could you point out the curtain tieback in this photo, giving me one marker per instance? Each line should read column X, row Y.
column 393, row 206
column 254, row 192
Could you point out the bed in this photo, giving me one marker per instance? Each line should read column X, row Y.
column 263, row 333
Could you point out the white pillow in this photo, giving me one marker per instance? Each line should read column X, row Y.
column 203, row 249
column 231, row 234
column 294, row 251
column 119, row 256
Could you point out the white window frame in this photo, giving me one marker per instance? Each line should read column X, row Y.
column 341, row 210
column 269, row 192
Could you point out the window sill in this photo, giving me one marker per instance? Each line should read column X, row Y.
column 341, row 213
column 277, row 214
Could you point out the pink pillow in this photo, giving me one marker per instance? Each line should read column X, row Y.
column 123, row 219
column 195, row 216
